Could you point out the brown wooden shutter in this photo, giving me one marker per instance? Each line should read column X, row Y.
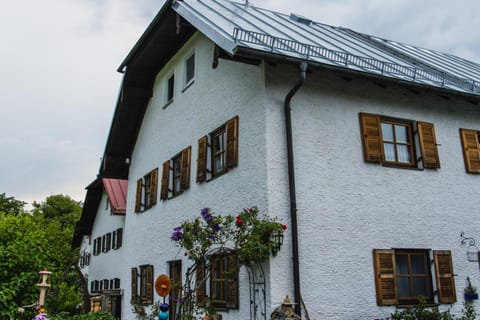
column 153, row 186
column 428, row 145
column 185, row 171
column 471, row 150
column 165, row 180
column 231, row 128
column 200, row 282
column 119, row 237
column 202, row 159
column 134, row 286
column 371, row 137
column 138, row 196
column 149, row 284
column 444, row 275
column 384, row 266
column 175, row 273
column 231, row 294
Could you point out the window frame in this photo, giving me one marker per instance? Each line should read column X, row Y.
column 208, row 150
column 386, row 276
column 176, row 174
column 421, row 141
column 219, row 280
column 169, row 89
column 146, row 193
column 142, row 285
column 187, row 79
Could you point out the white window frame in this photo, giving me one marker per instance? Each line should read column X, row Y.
column 187, row 82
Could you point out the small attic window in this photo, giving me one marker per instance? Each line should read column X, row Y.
column 299, row 18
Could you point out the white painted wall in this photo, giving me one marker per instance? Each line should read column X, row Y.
column 346, row 207
column 216, row 96
column 107, row 265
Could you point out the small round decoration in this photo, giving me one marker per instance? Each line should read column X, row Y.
column 163, row 285
column 163, row 315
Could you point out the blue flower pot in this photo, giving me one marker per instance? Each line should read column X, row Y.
column 470, row 296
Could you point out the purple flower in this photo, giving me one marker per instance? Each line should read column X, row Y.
column 177, row 233
column 206, row 215
column 216, row 227
column 211, row 237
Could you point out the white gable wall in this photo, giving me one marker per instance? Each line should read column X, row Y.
column 217, row 95
column 347, row 207
column 106, row 265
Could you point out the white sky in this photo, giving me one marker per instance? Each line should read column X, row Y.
column 59, row 85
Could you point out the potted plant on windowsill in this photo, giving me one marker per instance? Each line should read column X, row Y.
column 470, row 292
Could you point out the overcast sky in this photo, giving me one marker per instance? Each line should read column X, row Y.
column 59, row 85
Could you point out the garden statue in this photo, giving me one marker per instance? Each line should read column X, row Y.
column 285, row 311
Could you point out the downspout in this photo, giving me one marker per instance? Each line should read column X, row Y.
column 291, row 184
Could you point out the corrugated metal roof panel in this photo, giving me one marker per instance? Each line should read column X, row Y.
column 233, row 25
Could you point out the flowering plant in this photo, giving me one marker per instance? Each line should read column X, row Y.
column 251, row 236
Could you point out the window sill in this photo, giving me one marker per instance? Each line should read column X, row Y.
column 399, row 166
column 169, row 102
column 188, row 85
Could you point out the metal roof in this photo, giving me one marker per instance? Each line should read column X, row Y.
column 234, row 26
column 116, row 190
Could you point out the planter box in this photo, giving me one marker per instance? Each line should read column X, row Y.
column 470, row 296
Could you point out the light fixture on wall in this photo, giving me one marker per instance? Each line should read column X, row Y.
column 473, row 252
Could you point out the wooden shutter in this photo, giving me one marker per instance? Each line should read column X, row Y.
column 200, row 282
column 175, row 273
column 231, row 128
column 428, row 145
column 444, row 275
column 384, row 266
column 471, row 150
column 134, row 286
column 185, row 170
column 149, row 284
column 202, row 159
column 138, row 195
column 165, row 180
column 153, row 186
column 119, row 237
column 231, row 285
column 371, row 137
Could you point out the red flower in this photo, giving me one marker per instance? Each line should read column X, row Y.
column 284, row 226
column 238, row 221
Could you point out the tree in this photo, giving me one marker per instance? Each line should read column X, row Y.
column 32, row 241
column 9, row 205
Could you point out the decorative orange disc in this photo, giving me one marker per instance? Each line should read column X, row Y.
column 163, row 285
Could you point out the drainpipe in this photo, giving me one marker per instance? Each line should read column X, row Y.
column 291, row 184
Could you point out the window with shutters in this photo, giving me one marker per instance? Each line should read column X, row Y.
column 117, row 236
column 176, row 175
column 97, row 246
column 402, row 275
column 218, row 151
column 146, row 194
column 220, row 284
column 142, row 285
column 396, row 142
column 471, row 149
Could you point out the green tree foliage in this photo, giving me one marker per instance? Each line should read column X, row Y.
column 11, row 206
column 32, row 241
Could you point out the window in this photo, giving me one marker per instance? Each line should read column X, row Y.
column 180, row 168
column 471, row 150
column 142, row 294
column 170, row 89
column 117, row 238
column 223, row 151
column 175, row 274
column 392, row 141
column 402, row 275
column 106, row 242
column 189, row 70
column 223, row 283
column 97, row 246
column 146, row 196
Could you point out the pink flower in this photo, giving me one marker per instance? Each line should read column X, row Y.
column 284, row 226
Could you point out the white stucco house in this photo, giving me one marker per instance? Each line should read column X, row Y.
column 368, row 149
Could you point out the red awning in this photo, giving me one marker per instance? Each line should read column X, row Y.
column 116, row 190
